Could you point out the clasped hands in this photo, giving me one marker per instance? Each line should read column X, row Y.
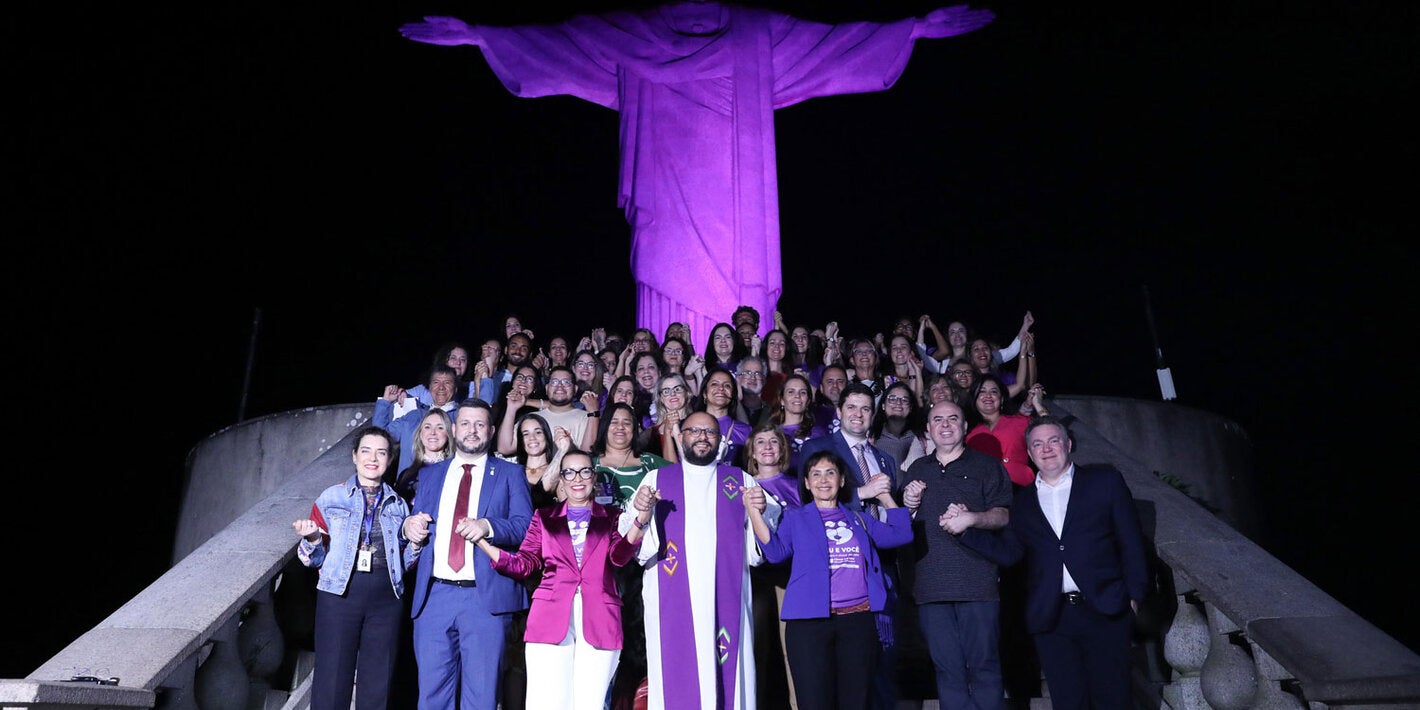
column 754, row 499
column 955, row 520
column 416, row 528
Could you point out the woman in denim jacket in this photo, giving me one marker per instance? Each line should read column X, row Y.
column 353, row 537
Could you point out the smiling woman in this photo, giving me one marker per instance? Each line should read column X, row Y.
column 353, row 537
column 577, row 549
column 825, row 607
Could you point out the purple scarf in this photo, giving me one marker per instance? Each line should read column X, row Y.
column 680, row 677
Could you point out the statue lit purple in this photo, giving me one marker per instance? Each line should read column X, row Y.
column 696, row 84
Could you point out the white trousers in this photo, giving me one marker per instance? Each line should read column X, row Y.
column 571, row 674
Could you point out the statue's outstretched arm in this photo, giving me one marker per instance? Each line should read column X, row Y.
column 951, row 21
column 446, row 31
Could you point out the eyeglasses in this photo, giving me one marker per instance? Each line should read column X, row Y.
column 895, row 399
column 1053, row 442
column 700, row 432
column 673, row 351
column 863, row 351
column 584, row 364
column 559, row 381
column 668, row 391
column 584, row 472
column 524, row 378
column 752, row 375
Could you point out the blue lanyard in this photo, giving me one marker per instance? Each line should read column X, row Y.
column 369, row 522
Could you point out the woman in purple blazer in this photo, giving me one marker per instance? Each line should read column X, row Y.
column 574, row 626
column 836, row 582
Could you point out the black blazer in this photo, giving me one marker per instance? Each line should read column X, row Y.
column 1101, row 542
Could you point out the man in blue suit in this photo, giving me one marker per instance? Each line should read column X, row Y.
column 871, row 473
column 462, row 608
column 855, row 414
column 1086, row 571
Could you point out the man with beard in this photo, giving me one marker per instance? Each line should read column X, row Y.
column 750, row 372
column 462, row 608
column 516, row 354
column 561, row 410
column 697, row 552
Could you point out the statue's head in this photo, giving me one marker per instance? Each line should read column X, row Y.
column 695, row 18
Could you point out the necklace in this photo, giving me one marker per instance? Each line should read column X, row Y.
column 627, row 459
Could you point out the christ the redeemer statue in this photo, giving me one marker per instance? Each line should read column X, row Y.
column 696, row 84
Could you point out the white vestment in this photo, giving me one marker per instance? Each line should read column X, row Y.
column 702, row 487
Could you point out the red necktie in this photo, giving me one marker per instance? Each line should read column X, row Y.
column 457, row 541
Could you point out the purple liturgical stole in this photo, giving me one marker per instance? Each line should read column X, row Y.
column 679, row 649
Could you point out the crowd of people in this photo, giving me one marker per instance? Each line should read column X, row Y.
column 649, row 516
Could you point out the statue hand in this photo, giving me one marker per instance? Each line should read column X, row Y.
column 951, row 21
column 446, row 31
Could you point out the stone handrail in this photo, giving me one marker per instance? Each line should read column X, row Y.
column 1228, row 625
column 206, row 633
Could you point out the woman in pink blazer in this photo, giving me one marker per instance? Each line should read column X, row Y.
column 574, row 626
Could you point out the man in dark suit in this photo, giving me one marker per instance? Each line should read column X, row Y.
column 1085, row 571
column 461, row 607
column 871, row 473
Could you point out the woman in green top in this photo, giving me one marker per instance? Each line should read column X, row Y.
column 618, row 460
column 620, row 465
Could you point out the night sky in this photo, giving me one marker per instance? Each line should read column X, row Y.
column 1248, row 164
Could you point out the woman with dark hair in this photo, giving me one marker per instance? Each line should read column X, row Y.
column 998, row 430
column 679, row 359
column 540, row 452
column 997, row 426
column 902, row 365
column 574, row 628
column 795, row 415
column 806, row 353
column 953, row 384
column 455, row 355
column 720, row 399
column 775, row 354
column 587, row 370
column 621, row 467
column 898, row 427
column 982, row 356
column 522, row 395
column 645, row 369
column 617, row 456
column 724, row 348
column 836, row 583
column 681, row 332
column 353, row 537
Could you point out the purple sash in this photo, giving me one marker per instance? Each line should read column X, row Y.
column 679, row 647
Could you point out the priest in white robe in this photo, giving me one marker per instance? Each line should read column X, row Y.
column 697, row 550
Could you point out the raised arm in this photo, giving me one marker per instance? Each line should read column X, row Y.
column 446, row 31
column 951, row 21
